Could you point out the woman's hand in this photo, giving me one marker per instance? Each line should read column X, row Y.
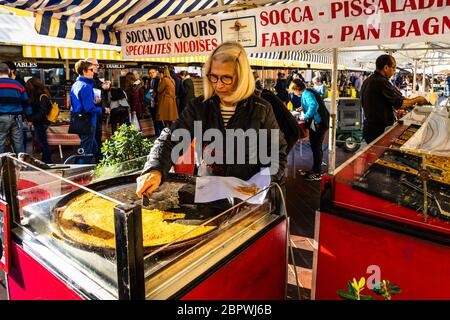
column 148, row 183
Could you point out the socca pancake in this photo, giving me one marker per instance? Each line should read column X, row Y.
column 89, row 220
column 248, row 190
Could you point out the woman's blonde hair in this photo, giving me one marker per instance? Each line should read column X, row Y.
column 166, row 73
column 244, row 83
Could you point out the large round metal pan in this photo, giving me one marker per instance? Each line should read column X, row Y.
column 195, row 213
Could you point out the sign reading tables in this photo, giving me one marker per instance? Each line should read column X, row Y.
column 4, row 236
column 295, row 26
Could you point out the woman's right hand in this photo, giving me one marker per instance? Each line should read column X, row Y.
column 148, row 183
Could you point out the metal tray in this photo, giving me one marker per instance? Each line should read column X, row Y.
column 196, row 214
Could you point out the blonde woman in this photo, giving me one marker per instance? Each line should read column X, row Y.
column 228, row 104
column 167, row 102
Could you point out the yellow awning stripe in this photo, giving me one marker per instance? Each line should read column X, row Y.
column 30, row 51
column 202, row 59
column 83, row 53
column 325, row 66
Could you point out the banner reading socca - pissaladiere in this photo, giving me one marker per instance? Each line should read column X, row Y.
column 294, row 26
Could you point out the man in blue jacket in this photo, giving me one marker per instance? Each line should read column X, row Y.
column 82, row 100
column 13, row 104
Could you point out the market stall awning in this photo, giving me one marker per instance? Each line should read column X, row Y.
column 82, row 53
column 19, row 30
column 95, row 21
column 30, row 51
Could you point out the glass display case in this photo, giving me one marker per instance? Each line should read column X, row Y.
column 388, row 208
column 88, row 236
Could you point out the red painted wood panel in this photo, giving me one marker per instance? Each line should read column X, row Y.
column 28, row 280
column 347, row 248
column 257, row 273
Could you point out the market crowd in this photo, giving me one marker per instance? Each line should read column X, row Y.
column 163, row 95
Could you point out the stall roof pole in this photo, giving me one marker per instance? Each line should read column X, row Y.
column 423, row 77
column 432, row 78
column 332, row 131
column 67, row 69
column 414, row 76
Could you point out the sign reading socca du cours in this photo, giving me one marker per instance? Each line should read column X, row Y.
column 294, row 26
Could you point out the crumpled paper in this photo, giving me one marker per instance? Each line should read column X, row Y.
column 212, row 188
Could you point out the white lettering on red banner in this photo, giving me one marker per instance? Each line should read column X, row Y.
column 295, row 26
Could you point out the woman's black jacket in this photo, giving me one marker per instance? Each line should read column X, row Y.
column 251, row 113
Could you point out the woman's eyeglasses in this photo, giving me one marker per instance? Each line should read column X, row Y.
column 224, row 79
column 91, row 69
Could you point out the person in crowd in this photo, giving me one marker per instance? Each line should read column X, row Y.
column 13, row 75
column 41, row 106
column 286, row 121
column 310, row 108
column 153, row 88
column 167, row 105
column 135, row 94
column 281, row 88
column 178, row 89
column 379, row 98
column 351, row 91
column 358, row 84
column 319, row 87
column 301, row 76
column 228, row 103
column 188, row 89
column 145, row 81
column 13, row 104
column 100, row 102
column 82, row 100
column 258, row 83
column 120, row 108
column 447, row 85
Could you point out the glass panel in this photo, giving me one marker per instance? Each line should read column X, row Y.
column 206, row 236
column 389, row 179
column 67, row 219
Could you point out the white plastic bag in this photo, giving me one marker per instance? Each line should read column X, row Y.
column 135, row 122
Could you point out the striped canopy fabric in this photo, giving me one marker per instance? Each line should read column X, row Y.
column 19, row 30
column 98, row 21
column 30, row 51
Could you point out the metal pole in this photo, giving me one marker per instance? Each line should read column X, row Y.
column 66, row 64
column 263, row 79
column 332, row 129
column 423, row 77
column 414, row 76
column 432, row 78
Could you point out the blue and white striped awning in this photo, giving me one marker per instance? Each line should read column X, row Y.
column 98, row 21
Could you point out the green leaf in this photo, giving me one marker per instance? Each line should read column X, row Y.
column 395, row 291
column 365, row 297
column 377, row 291
column 351, row 289
column 345, row 295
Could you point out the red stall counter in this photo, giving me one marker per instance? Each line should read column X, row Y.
column 245, row 253
column 372, row 218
